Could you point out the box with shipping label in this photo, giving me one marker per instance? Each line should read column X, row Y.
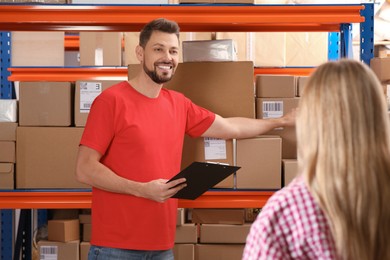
column 45, row 104
column 7, row 176
column 219, row 251
column 260, row 159
column 225, row 88
column 214, row 50
column 7, row 151
column 290, row 170
column 85, row 93
column 276, row 86
column 184, row 251
column 223, row 234
column 8, row 110
column 46, row 157
column 38, row 49
column 100, row 49
column 274, row 108
column 187, row 233
column 218, row 216
column 205, row 149
column 59, row 250
column 8, row 131
column 63, row 230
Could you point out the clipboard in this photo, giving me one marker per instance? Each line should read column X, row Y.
column 200, row 177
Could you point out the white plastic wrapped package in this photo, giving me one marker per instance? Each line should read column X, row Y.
column 8, row 110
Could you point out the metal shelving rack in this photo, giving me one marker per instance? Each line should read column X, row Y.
column 335, row 19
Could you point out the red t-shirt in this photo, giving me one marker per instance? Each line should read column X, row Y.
column 141, row 139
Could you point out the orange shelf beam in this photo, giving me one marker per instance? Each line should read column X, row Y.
column 67, row 200
column 110, row 73
column 191, row 18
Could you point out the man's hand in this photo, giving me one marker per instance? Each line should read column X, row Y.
column 160, row 191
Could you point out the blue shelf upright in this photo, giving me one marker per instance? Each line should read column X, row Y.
column 367, row 34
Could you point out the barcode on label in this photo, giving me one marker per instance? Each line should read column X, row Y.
column 272, row 109
column 87, row 105
column 48, row 252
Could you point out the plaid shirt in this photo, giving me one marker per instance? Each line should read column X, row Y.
column 290, row 226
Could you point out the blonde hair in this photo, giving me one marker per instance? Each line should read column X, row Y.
column 343, row 133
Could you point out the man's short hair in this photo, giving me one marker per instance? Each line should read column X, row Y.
column 160, row 24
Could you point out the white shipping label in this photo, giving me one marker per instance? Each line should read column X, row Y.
column 48, row 253
column 88, row 92
column 214, row 148
column 272, row 109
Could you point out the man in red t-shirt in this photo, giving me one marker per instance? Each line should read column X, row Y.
column 132, row 144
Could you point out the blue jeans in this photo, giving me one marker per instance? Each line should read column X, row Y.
column 107, row 253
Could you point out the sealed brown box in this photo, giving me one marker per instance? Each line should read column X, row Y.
column 184, row 251
column 38, row 48
column 276, row 86
column 260, row 161
column 223, row 234
column 59, row 250
column 7, row 151
column 302, row 81
column 63, row 230
column 87, row 230
column 7, row 176
column 84, row 249
column 85, row 218
column 209, row 150
column 381, row 67
column 100, row 49
column 290, row 170
column 45, row 104
column 225, row 88
column 218, row 216
column 277, row 107
column 85, row 93
column 214, row 251
column 46, row 157
column 187, row 233
column 8, row 131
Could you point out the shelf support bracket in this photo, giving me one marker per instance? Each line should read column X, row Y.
column 366, row 34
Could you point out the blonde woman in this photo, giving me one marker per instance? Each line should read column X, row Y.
column 338, row 206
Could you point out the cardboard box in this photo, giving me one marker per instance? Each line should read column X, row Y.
column 302, row 81
column 306, row 48
column 276, row 86
column 84, row 249
column 100, row 49
column 87, row 230
column 269, row 49
column 260, row 159
column 8, row 110
column 7, row 151
column 59, row 250
column 37, row 49
column 85, row 218
column 187, row 233
column 63, row 230
column 218, row 216
column 45, row 104
column 209, row 150
column 8, row 131
column 381, row 67
column 214, row 50
column 184, row 251
column 225, row 252
column 180, row 218
column 46, row 157
column 224, row 234
column 64, row 213
column 225, row 88
column 85, row 93
column 7, row 176
column 277, row 107
column 290, row 170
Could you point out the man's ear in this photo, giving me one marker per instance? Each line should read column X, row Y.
column 139, row 52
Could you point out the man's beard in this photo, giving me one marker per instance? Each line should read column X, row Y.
column 155, row 77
